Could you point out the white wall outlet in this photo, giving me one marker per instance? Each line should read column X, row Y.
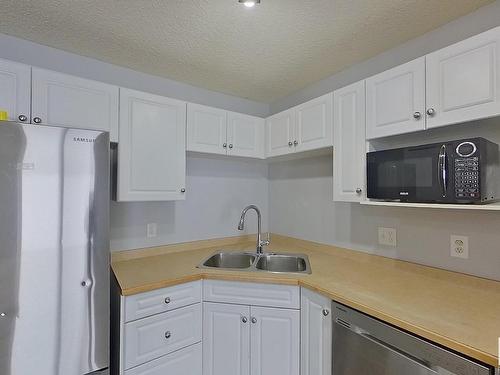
column 152, row 230
column 459, row 246
column 387, row 236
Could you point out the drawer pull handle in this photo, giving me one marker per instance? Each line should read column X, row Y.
column 168, row 334
column 167, row 300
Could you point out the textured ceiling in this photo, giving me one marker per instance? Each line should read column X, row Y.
column 262, row 53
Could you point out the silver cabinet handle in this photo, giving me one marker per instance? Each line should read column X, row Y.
column 3, row 315
column 167, row 300
column 230, row 145
column 244, row 319
column 37, row 120
column 417, row 115
column 254, row 320
column 359, row 190
column 295, row 143
column 431, row 111
column 290, row 143
column 183, row 190
column 22, row 118
column 224, row 145
column 326, row 312
column 168, row 334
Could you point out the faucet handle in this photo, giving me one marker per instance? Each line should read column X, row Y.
column 267, row 241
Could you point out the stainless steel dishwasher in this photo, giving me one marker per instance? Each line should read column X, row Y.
column 366, row 346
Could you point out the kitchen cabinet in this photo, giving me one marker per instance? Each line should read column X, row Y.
column 245, row 135
column 250, row 328
column 215, row 131
column 152, row 148
column 313, row 124
column 274, row 337
column 157, row 332
column 307, row 126
column 280, row 130
column 316, row 333
column 15, row 95
column 349, row 150
column 73, row 102
column 226, row 339
column 206, row 129
column 463, row 80
column 395, row 100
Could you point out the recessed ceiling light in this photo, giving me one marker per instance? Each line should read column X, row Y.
column 249, row 3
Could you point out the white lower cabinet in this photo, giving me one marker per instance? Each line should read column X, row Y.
column 182, row 362
column 274, row 341
column 226, row 339
column 316, row 333
column 242, row 339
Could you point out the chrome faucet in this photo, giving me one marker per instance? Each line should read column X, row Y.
column 241, row 225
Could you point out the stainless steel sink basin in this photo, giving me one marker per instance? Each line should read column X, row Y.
column 230, row 260
column 283, row 263
column 267, row 262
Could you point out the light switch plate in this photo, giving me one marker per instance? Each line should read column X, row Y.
column 459, row 246
column 152, row 230
column 387, row 236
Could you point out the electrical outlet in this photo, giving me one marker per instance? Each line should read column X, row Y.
column 152, row 230
column 459, row 246
column 387, row 236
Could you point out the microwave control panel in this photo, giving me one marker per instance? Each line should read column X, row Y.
column 467, row 178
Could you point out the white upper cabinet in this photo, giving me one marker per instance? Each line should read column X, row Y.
column 313, row 124
column 206, row 128
column 315, row 333
column 463, row 80
column 68, row 101
column 280, row 129
column 274, row 341
column 395, row 100
column 245, row 135
column 349, row 143
column 15, row 90
column 152, row 148
column 226, row 339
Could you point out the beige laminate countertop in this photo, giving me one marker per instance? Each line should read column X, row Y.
column 455, row 310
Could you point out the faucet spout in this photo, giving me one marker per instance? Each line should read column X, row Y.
column 241, row 226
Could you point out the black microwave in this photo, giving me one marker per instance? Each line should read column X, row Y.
column 463, row 171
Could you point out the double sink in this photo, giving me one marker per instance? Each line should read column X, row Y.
column 266, row 262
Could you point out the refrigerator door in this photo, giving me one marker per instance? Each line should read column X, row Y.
column 54, row 250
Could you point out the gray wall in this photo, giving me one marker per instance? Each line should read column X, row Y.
column 26, row 52
column 218, row 188
column 481, row 20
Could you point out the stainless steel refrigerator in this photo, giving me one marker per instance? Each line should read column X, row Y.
column 54, row 250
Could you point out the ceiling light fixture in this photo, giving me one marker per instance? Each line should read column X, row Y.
column 249, row 3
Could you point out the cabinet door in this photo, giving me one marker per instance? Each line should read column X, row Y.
column 245, row 135
column 395, row 100
column 349, row 151
column 206, row 128
column 280, row 133
column 314, row 126
column 463, row 80
column 15, row 92
column 73, row 102
column 316, row 333
column 226, row 339
column 152, row 148
column 186, row 361
column 274, row 339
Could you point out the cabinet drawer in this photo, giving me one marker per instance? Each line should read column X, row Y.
column 286, row 296
column 162, row 300
column 186, row 361
column 153, row 337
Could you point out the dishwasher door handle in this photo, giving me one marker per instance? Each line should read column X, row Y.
column 393, row 349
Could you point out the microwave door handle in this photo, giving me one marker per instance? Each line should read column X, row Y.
column 443, row 171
